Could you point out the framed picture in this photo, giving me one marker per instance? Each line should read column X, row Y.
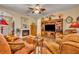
column 77, row 19
column 69, row 19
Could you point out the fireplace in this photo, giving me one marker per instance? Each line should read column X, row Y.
column 25, row 32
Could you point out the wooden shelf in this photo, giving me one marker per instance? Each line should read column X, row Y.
column 58, row 27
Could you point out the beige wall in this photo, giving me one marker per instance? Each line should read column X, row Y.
column 74, row 12
column 17, row 17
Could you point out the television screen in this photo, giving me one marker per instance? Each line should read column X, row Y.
column 49, row 27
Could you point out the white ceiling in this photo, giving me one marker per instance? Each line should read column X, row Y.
column 50, row 8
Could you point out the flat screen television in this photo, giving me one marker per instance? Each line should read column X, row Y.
column 49, row 27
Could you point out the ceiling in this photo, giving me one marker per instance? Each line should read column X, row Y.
column 50, row 8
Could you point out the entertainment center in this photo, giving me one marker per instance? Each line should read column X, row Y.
column 51, row 27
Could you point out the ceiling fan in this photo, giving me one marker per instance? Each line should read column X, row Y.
column 37, row 9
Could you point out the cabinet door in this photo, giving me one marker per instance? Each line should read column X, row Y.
column 33, row 29
column 59, row 25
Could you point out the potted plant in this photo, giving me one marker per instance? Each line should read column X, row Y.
column 18, row 31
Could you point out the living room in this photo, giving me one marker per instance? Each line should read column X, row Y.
column 39, row 28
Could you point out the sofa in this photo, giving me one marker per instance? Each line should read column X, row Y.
column 4, row 46
column 70, row 44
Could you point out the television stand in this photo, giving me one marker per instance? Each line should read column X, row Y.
column 50, row 34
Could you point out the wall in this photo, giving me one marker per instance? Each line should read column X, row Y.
column 74, row 12
column 17, row 17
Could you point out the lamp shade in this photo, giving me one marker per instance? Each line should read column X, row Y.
column 3, row 22
column 74, row 25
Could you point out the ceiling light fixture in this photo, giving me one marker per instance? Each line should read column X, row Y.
column 37, row 9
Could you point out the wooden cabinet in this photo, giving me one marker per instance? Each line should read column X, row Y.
column 44, row 32
column 58, row 27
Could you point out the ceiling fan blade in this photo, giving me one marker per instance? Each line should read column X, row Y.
column 37, row 5
column 30, row 8
column 43, row 9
